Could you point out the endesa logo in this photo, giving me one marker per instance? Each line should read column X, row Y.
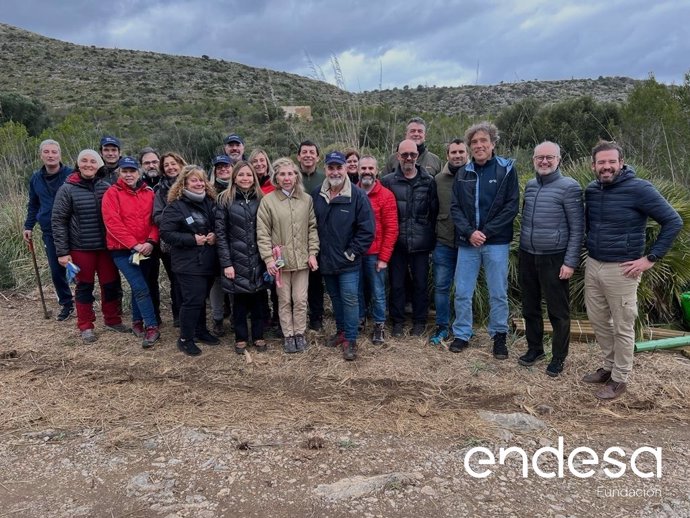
column 480, row 462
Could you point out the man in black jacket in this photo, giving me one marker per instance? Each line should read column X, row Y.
column 417, row 201
column 617, row 206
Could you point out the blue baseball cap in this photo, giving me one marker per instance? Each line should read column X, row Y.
column 221, row 159
column 128, row 162
column 233, row 137
column 110, row 141
column 335, row 157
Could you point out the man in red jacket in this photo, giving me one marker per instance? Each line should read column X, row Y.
column 375, row 262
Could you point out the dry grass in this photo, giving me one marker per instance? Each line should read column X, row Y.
column 406, row 388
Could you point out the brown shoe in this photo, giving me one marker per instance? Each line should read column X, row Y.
column 611, row 390
column 600, row 376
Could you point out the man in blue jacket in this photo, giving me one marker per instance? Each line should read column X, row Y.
column 484, row 204
column 346, row 230
column 43, row 186
column 617, row 206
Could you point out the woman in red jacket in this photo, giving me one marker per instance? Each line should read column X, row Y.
column 130, row 237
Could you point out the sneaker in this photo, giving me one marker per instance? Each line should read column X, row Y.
column 300, row 343
column 336, row 340
column 260, row 346
column 88, row 336
column 289, row 345
column 554, row 368
column 218, row 327
column 120, row 328
column 378, row 336
column 138, row 328
column 600, row 376
column 188, row 347
column 611, row 390
column 316, row 324
column 418, row 329
column 65, row 312
column 151, row 336
column 397, row 330
column 440, row 336
column 206, row 338
column 349, row 350
column 531, row 357
column 500, row 349
column 458, row 345
column 240, row 347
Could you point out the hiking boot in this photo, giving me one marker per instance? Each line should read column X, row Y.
column 119, row 328
column 397, row 330
column 336, row 340
column 300, row 343
column 378, row 336
column 554, row 368
column 316, row 324
column 260, row 346
column 500, row 349
column 600, row 376
column 88, row 336
column 612, row 390
column 458, row 345
column 349, row 350
column 218, row 327
column 531, row 357
column 65, row 312
column 289, row 345
column 151, row 336
column 418, row 329
column 240, row 347
column 188, row 347
column 440, row 336
column 206, row 338
column 138, row 328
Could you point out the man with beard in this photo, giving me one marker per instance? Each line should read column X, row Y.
column 150, row 162
column 375, row 262
column 445, row 252
column 346, row 230
column 417, row 205
column 416, row 132
column 234, row 147
column 110, row 151
column 617, row 206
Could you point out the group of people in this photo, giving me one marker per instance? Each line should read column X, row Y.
column 254, row 231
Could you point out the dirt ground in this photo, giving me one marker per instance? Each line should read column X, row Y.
column 112, row 430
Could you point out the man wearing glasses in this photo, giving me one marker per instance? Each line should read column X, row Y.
column 150, row 164
column 417, row 202
column 484, row 204
column 416, row 132
column 550, row 242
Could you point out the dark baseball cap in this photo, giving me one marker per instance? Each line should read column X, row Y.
column 233, row 137
column 335, row 157
column 128, row 162
column 221, row 159
column 110, row 141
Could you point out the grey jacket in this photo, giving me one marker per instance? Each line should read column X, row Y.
column 553, row 218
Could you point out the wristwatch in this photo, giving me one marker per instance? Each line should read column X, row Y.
column 652, row 258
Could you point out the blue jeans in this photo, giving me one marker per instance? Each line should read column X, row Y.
column 142, row 305
column 57, row 272
column 494, row 258
column 376, row 282
column 444, row 259
column 343, row 288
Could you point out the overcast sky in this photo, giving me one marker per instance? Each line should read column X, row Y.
column 389, row 43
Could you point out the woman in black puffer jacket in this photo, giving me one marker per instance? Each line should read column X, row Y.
column 240, row 261
column 188, row 226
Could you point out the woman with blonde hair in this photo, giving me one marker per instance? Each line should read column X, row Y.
column 286, row 223
column 264, row 170
column 188, row 226
column 240, row 262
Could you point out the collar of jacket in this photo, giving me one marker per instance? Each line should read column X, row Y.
column 346, row 191
column 399, row 175
column 548, row 178
column 502, row 161
column 141, row 185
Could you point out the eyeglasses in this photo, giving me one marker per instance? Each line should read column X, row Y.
column 409, row 156
column 548, row 158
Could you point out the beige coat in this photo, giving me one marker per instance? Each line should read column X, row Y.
column 289, row 222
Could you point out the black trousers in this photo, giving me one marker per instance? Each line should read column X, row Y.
column 175, row 295
column 417, row 263
column 538, row 276
column 195, row 290
column 244, row 304
column 315, row 295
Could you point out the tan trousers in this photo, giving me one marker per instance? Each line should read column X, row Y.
column 292, row 302
column 611, row 300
